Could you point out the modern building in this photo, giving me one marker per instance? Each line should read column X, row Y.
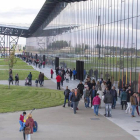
column 72, row 28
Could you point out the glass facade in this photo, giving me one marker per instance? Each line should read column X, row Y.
column 105, row 34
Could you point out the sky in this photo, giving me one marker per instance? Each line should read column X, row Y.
column 19, row 12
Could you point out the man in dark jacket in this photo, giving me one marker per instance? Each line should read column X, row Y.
column 113, row 92
column 109, row 84
column 75, row 99
column 93, row 94
column 30, row 77
column 81, row 88
column 66, row 94
column 108, row 99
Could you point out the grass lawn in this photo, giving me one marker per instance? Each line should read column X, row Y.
column 26, row 98
column 4, row 74
column 17, row 67
column 19, row 62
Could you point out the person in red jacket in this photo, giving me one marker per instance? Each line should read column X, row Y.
column 96, row 102
column 58, row 79
column 21, row 121
column 43, row 64
column 52, row 73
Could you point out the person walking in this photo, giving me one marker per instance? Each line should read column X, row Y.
column 133, row 104
column 108, row 99
column 29, row 124
column 67, row 76
column 43, row 64
column 81, row 88
column 52, row 72
column 113, row 92
column 16, row 79
column 96, row 103
column 129, row 94
column 66, row 95
column 74, row 73
column 100, row 95
column 71, row 74
column 93, row 93
column 58, row 79
column 62, row 78
column 10, row 79
column 30, row 77
column 86, row 97
column 123, row 98
column 75, row 99
column 71, row 102
column 97, row 85
column 103, row 86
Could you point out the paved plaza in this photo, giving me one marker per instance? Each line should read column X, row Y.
column 60, row 123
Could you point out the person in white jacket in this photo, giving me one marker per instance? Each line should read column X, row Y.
column 103, row 86
column 100, row 92
column 67, row 76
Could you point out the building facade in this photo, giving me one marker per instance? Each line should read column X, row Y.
column 105, row 34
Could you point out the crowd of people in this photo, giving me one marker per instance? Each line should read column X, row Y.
column 95, row 92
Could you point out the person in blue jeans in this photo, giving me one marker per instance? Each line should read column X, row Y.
column 21, row 121
column 113, row 92
column 96, row 102
column 86, row 97
column 72, row 92
column 133, row 100
column 74, row 73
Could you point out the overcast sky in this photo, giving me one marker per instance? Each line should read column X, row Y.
column 19, row 12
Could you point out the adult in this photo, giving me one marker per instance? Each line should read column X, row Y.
column 81, row 88
column 113, row 92
column 96, row 102
column 74, row 73
column 103, row 86
column 100, row 94
column 10, row 79
column 66, row 95
column 123, row 98
column 30, row 77
column 58, row 79
column 21, row 121
column 70, row 94
column 86, row 97
column 43, row 64
column 75, row 99
column 109, row 84
column 16, row 79
column 67, row 76
column 71, row 74
column 39, row 77
column 52, row 72
column 97, row 85
column 93, row 93
column 129, row 94
column 133, row 104
column 29, row 123
column 93, row 83
column 91, row 72
column 62, row 78
column 108, row 99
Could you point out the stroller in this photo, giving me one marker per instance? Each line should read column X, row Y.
column 27, row 83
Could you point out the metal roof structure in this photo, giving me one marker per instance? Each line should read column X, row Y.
column 41, row 17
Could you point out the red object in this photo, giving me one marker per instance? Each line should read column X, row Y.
column 96, row 101
column 52, row 71
column 43, row 63
column 58, row 78
column 77, row 108
column 21, row 118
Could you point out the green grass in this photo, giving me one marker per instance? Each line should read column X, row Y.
column 19, row 62
column 26, row 98
column 17, row 67
column 4, row 74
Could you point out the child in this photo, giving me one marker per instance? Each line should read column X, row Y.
column 21, row 121
column 36, row 82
